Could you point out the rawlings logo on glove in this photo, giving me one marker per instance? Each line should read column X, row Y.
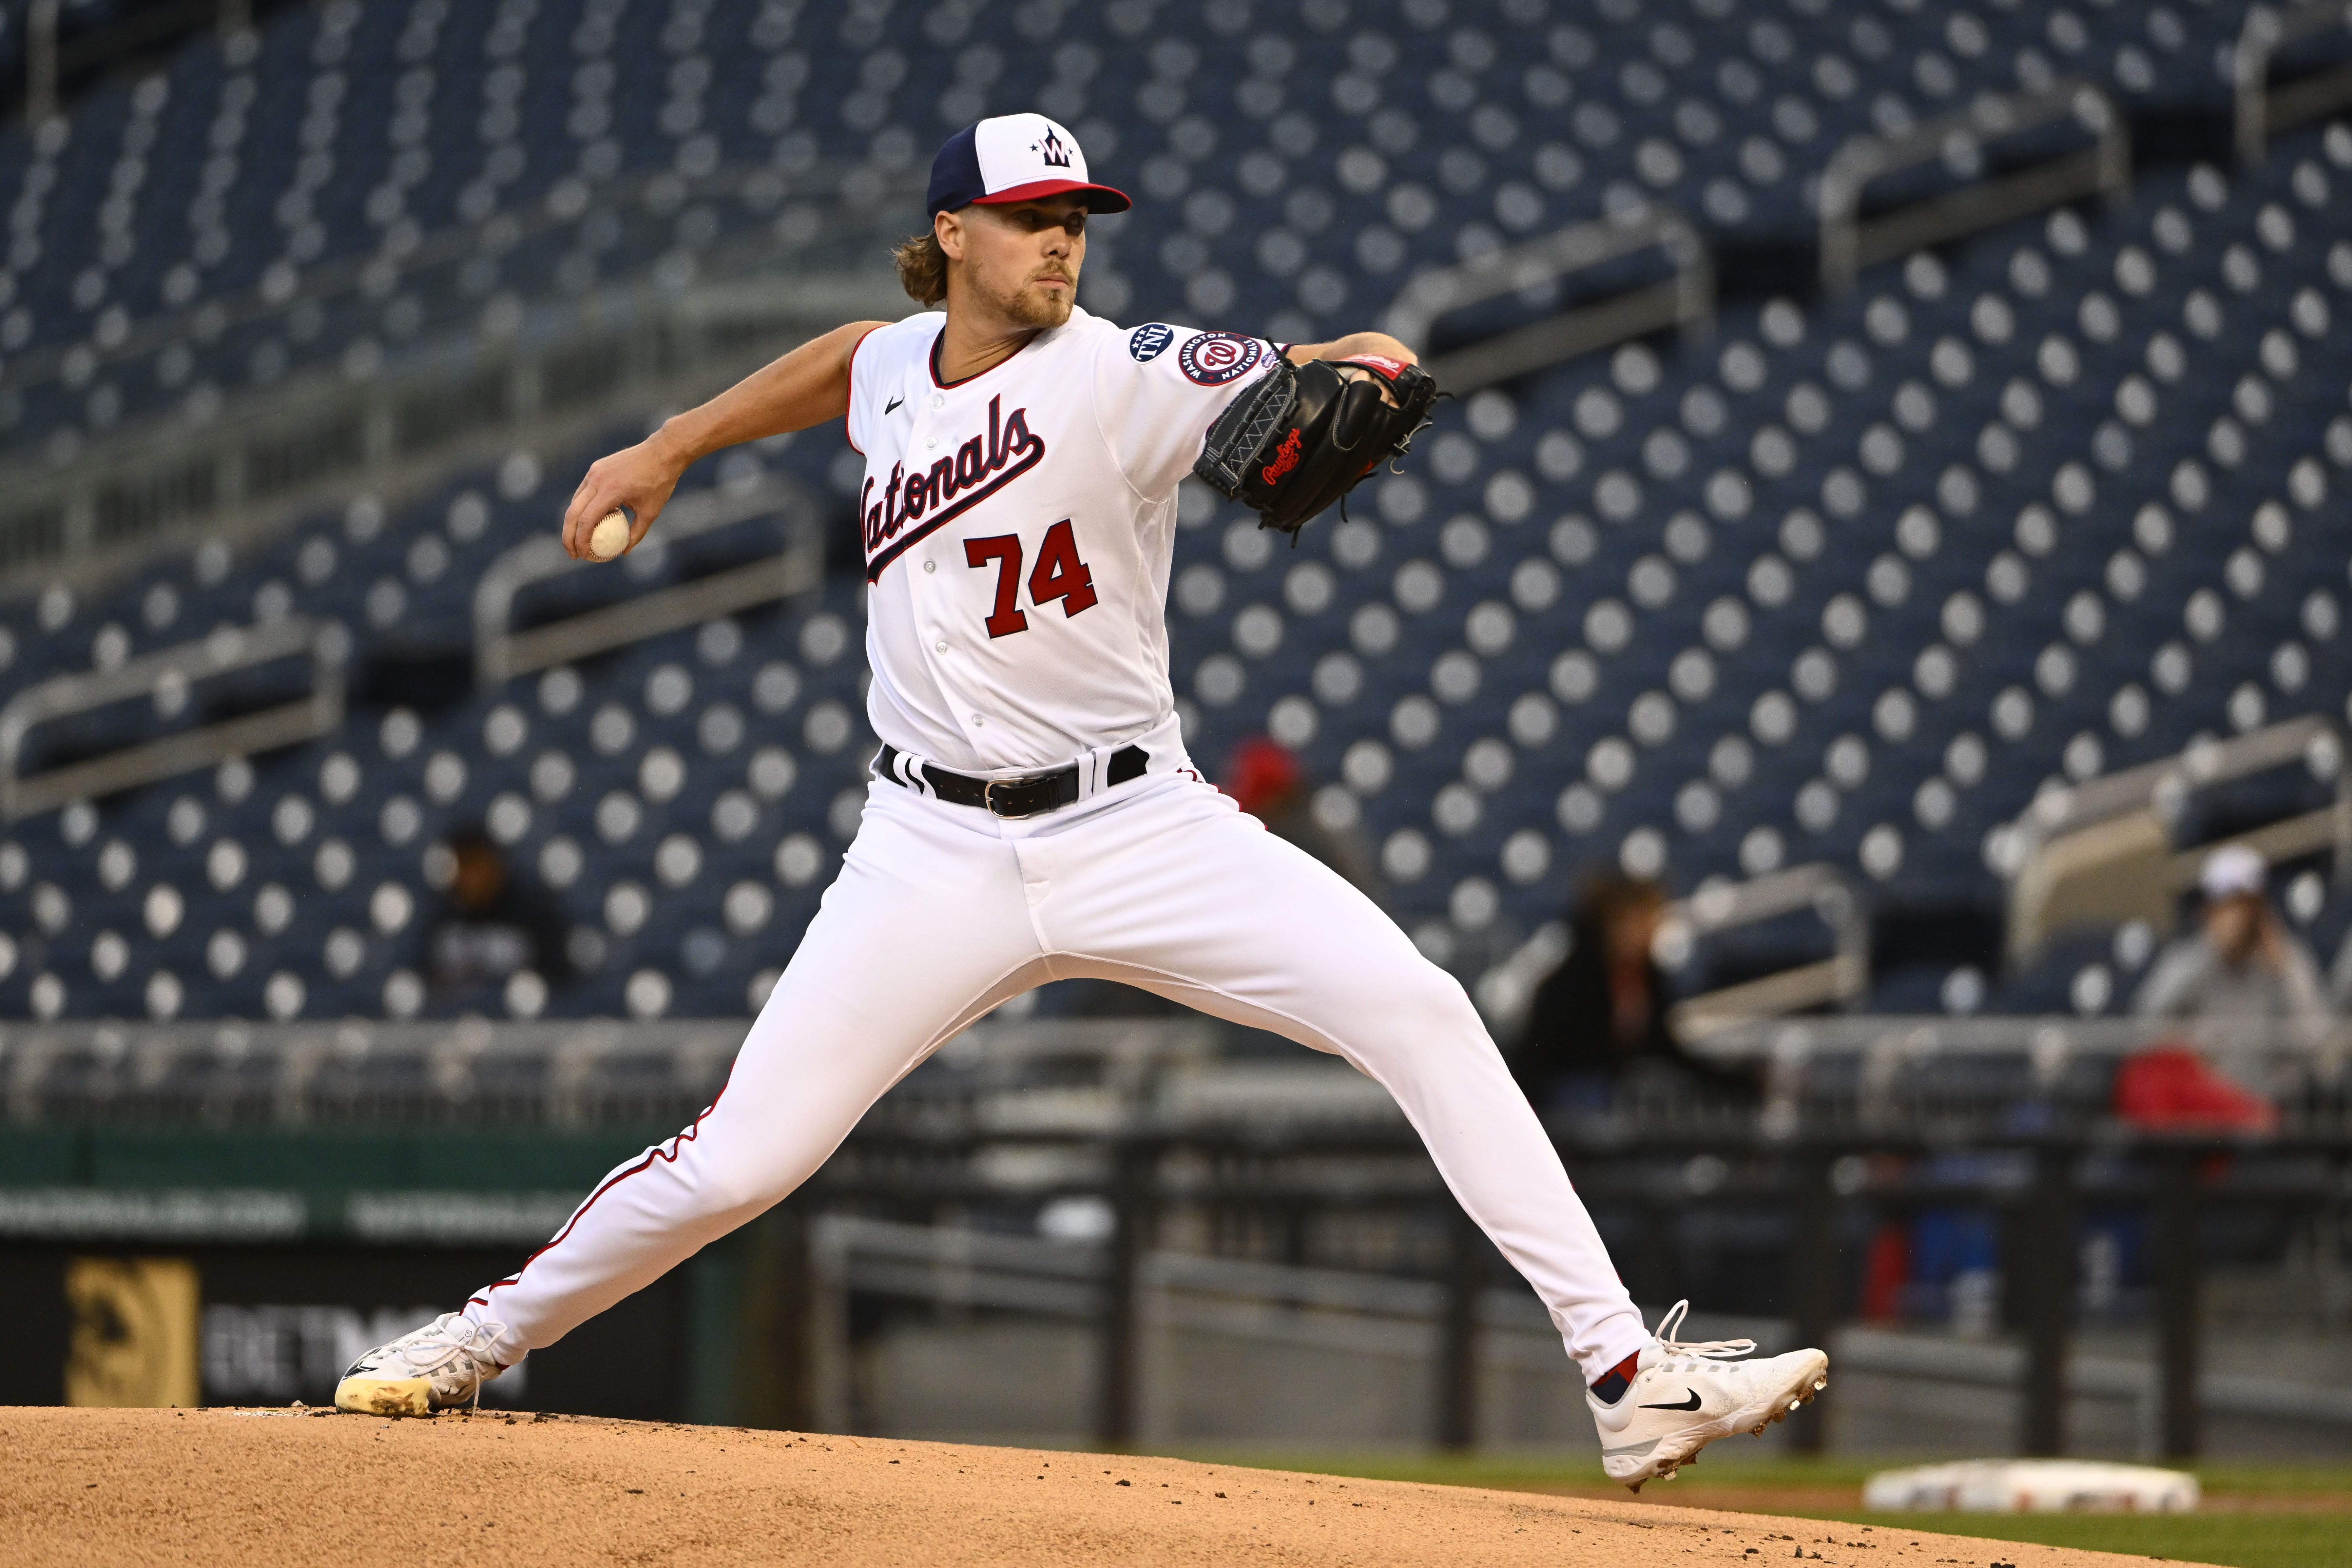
column 1306, row 435
column 1283, row 460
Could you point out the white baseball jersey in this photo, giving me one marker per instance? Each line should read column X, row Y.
column 1018, row 527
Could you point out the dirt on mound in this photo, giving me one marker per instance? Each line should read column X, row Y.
column 244, row 1488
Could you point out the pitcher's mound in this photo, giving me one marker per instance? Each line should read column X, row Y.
column 244, row 1489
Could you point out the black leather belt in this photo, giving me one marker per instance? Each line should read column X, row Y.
column 1028, row 796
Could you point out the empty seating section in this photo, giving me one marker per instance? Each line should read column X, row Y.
column 275, row 198
column 1846, row 579
column 640, row 803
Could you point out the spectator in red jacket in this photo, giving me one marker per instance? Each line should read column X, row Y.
column 1267, row 780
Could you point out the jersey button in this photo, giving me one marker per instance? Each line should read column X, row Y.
column 937, row 401
column 976, row 720
column 941, row 647
column 930, row 565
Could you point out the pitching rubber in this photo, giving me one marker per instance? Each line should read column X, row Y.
column 385, row 1395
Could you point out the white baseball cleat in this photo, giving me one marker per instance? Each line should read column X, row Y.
column 1686, row 1395
column 437, row 1367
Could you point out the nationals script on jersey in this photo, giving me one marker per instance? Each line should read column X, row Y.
column 1018, row 528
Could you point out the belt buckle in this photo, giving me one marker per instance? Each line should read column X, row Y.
column 988, row 796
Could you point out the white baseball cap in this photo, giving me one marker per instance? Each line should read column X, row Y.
column 1014, row 158
column 2232, row 869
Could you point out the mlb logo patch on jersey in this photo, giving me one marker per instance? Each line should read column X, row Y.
column 1213, row 359
column 1147, row 342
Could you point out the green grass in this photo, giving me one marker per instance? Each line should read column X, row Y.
column 2237, row 1540
column 2240, row 1540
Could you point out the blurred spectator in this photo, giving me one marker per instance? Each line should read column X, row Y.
column 492, row 924
column 2172, row 1089
column 1267, row 782
column 1600, row 1018
column 2243, row 963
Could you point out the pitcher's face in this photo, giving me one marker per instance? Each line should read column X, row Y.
column 1018, row 262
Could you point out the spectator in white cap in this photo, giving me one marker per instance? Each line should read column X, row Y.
column 2242, row 964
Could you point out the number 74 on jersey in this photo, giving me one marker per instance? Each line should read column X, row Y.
column 1058, row 574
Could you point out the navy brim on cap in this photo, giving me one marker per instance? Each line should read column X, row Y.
column 1014, row 158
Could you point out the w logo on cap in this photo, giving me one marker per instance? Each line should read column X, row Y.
column 1014, row 158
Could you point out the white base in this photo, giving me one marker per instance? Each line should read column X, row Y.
column 2033, row 1486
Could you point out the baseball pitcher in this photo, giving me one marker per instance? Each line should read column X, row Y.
column 1033, row 815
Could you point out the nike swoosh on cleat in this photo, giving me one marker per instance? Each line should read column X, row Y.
column 892, row 406
column 1693, row 1405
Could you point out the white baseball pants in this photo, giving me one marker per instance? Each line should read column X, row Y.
column 941, row 912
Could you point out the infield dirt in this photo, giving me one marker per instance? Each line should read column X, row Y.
column 246, row 1488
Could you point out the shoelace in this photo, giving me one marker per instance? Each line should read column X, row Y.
column 452, row 1336
column 1712, row 1350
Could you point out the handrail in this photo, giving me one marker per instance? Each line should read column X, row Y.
column 1723, row 906
column 272, row 302
column 41, row 59
column 225, row 649
column 1148, row 1070
column 2045, row 1041
column 2062, row 811
column 1687, row 296
column 2261, row 110
column 535, row 370
column 2119, row 829
column 320, row 435
column 1849, row 242
column 50, row 56
column 500, row 652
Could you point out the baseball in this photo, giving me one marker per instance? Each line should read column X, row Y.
column 1009, row 489
column 610, row 535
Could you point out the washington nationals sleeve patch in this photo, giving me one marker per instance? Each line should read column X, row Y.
column 1147, row 342
column 1213, row 359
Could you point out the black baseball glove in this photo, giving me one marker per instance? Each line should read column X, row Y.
column 1304, row 436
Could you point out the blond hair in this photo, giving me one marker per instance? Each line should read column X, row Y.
column 922, row 267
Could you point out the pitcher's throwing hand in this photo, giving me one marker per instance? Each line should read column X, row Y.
column 1032, row 814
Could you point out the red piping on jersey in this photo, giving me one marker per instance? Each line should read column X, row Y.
column 666, row 1150
column 853, row 389
column 933, row 357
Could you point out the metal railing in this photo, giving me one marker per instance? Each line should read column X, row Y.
column 535, row 366
column 502, row 651
column 50, row 57
column 2103, row 852
column 1012, row 1116
column 1681, row 299
column 1829, row 1075
column 542, row 1073
column 2263, row 108
column 1835, row 980
column 322, row 435
column 167, row 677
column 1960, row 142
